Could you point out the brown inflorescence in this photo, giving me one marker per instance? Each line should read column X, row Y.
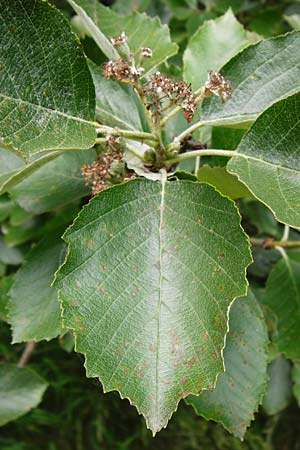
column 97, row 173
column 216, row 84
column 177, row 91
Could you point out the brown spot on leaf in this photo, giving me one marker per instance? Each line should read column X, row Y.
column 184, row 380
column 88, row 242
column 214, row 356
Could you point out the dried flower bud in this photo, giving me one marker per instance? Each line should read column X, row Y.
column 119, row 40
column 97, row 174
column 146, row 52
column 217, row 85
column 178, row 92
column 122, row 70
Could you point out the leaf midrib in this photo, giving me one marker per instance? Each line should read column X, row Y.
column 161, row 218
column 50, row 110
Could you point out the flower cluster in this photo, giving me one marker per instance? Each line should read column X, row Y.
column 122, row 70
column 119, row 40
column 97, row 174
column 217, row 85
column 178, row 92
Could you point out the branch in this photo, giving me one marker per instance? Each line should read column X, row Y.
column 29, row 347
column 271, row 243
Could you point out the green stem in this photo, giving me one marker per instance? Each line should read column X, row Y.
column 134, row 152
column 175, row 145
column 203, row 152
column 139, row 91
column 138, row 135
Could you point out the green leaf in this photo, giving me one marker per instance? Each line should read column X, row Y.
column 279, row 388
column 115, row 102
column 260, row 216
column 224, row 182
column 18, row 170
column 5, row 285
column 10, row 255
column 296, row 381
column 267, row 160
column 55, row 184
column 240, row 388
column 260, row 75
column 34, row 310
column 213, row 44
column 10, row 163
column 21, row 389
column 282, row 297
column 146, row 260
column 6, row 207
column 46, row 93
column 142, row 31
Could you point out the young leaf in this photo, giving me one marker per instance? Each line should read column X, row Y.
column 260, row 75
column 213, row 44
column 152, row 268
column 115, row 102
column 267, row 160
column 46, row 93
column 21, row 389
column 279, row 388
column 55, row 184
column 34, row 311
column 240, row 388
column 282, row 297
column 223, row 181
column 142, row 31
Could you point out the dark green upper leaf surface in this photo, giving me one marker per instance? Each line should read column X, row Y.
column 240, row 388
column 55, row 184
column 260, row 75
column 34, row 310
column 268, row 160
column 47, row 98
column 21, row 389
column 142, row 31
column 282, row 297
column 151, row 270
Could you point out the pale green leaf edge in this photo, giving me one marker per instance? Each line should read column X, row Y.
column 227, row 312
